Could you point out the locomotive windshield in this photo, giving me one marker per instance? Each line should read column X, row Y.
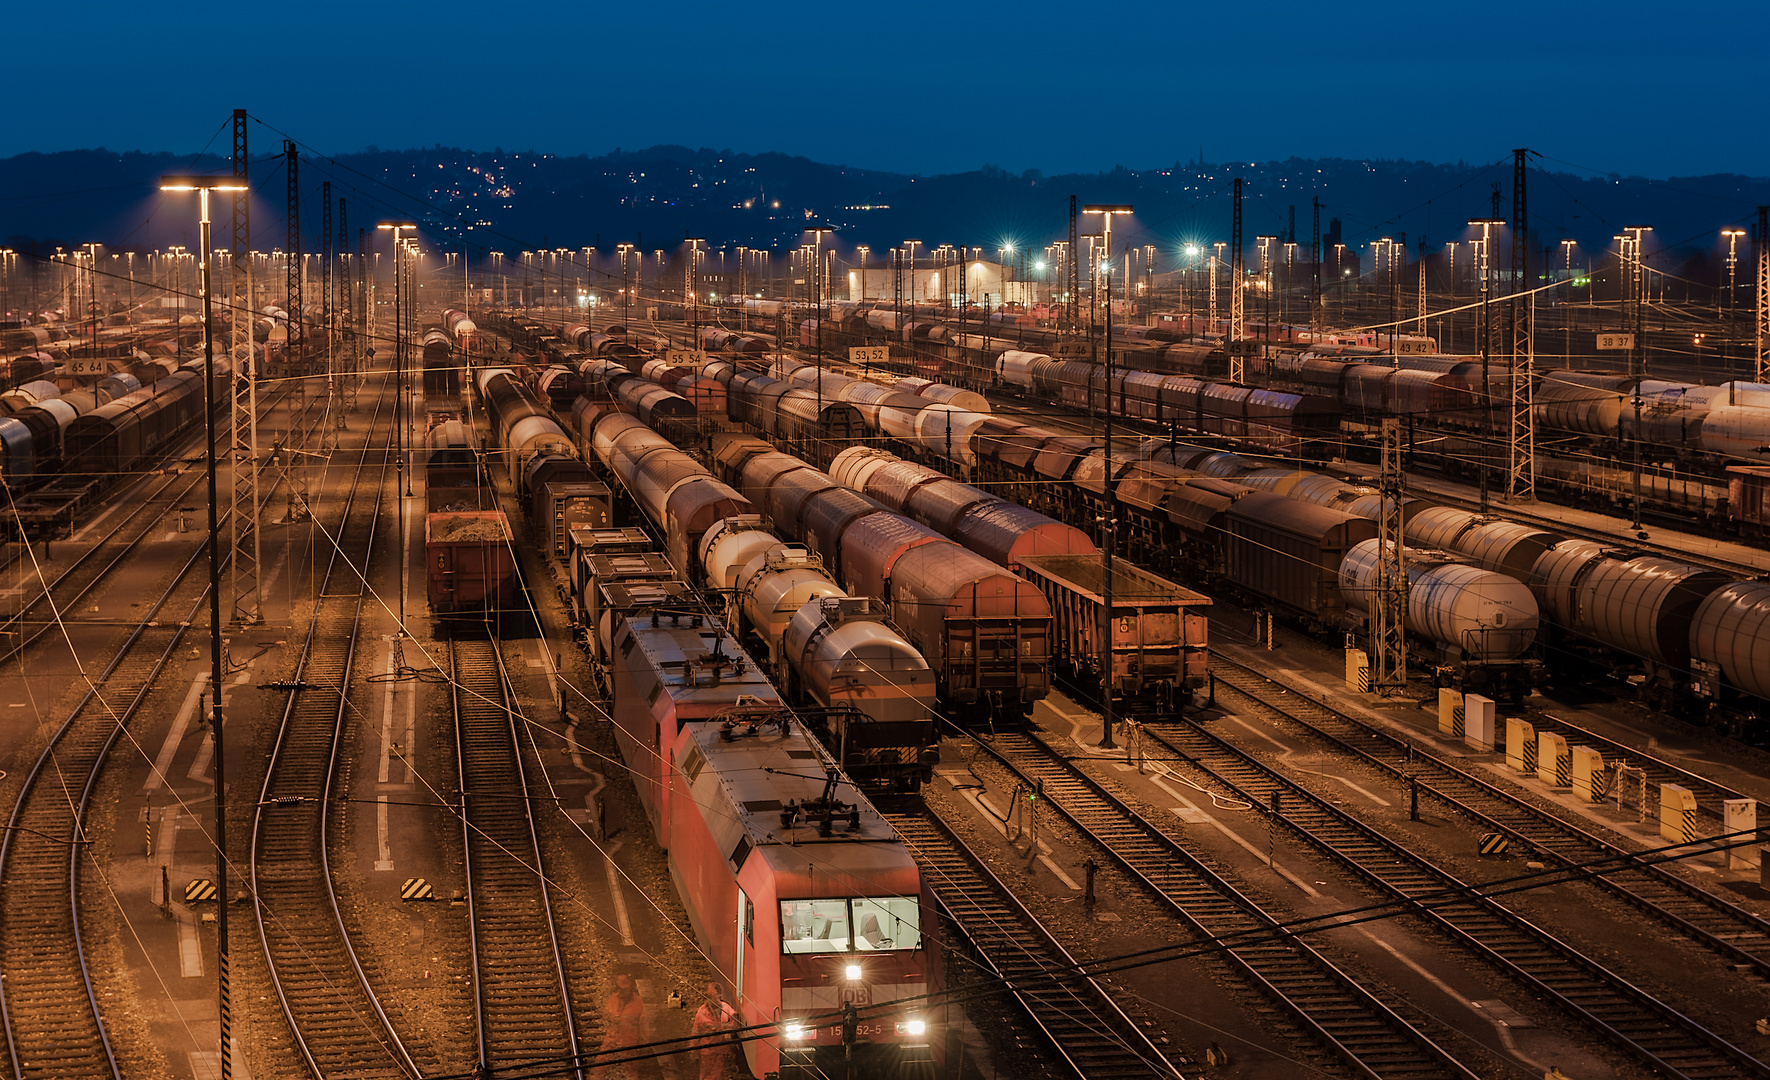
column 861, row 924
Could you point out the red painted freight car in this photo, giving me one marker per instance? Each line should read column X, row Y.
column 471, row 564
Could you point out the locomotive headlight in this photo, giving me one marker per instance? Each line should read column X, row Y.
column 853, row 972
column 794, row 1031
column 913, row 1028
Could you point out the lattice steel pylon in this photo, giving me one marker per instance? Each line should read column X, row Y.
column 1520, row 427
column 1238, row 331
column 244, row 582
column 292, row 262
column 1316, row 314
column 1388, row 606
column 326, row 315
column 1421, row 324
column 1763, row 308
column 1071, row 272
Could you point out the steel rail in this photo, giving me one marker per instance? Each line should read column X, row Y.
column 321, row 986
column 31, row 846
column 1637, row 1021
column 1075, row 1013
column 523, row 1011
column 95, row 574
column 1736, row 935
column 1359, row 1029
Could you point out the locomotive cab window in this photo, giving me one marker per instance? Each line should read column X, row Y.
column 864, row 924
column 888, row 922
column 809, row 926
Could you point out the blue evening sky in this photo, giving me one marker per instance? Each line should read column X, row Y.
column 1629, row 87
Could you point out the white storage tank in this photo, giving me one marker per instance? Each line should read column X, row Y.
column 1738, row 421
column 946, row 430
column 1508, row 547
column 886, row 410
column 1556, row 577
column 1438, row 527
column 1643, row 606
column 852, row 467
column 1327, row 491
column 1015, row 367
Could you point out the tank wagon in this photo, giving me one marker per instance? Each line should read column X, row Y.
column 873, row 690
column 983, row 631
column 528, row 435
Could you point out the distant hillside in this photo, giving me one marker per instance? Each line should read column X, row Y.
column 511, row 201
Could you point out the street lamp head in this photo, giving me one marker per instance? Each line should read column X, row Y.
column 401, row 225
column 202, row 183
column 1107, row 208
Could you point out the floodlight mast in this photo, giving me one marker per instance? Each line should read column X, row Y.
column 1109, row 531
column 203, row 185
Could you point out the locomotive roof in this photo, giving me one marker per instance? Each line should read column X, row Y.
column 680, row 660
column 743, row 784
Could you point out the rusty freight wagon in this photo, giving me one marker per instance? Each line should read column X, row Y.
column 1160, row 645
column 470, row 565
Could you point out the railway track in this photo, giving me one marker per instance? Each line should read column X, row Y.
column 93, row 567
column 53, row 1021
column 1637, row 1022
column 334, row 1016
column 524, row 1014
column 1346, row 1023
column 1738, row 936
column 49, row 1006
column 1087, row 1029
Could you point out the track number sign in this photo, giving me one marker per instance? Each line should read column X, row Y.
column 869, row 354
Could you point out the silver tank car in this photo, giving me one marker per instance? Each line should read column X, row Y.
column 775, row 585
column 1730, row 636
column 729, row 546
column 1483, row 616
column 1643, row 605
column 1556, row 577
column 844, row 654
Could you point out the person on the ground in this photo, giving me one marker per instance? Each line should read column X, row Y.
column 713, row 1018
column 623, row 1022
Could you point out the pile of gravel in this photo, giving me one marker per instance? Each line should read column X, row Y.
column 458, row 529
